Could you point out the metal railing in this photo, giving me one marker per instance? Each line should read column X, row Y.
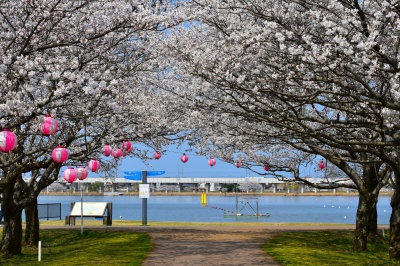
column 49, row 210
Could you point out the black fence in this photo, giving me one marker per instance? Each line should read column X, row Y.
column 49, row 211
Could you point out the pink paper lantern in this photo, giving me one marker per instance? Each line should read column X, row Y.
column 184, row 158
column 69, row 175
column 157, row 155
column 212, row 162
column 126, row 145
column 49, row 126
column 94, row 165
column 60, row 154
column 321, row 165
column 238, row 164
column 131, row 149
column 81, row 173
column 116, row 153
column 106, row 150
column 8, row 140
column 266, row 167
column 124, row 152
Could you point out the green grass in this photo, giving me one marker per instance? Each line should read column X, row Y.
column 325, row 248
column 93, row 247
column 110, row 247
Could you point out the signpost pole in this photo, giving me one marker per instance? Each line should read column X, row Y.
column 144, row 200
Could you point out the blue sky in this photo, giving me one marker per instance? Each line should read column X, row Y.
column 197, row 166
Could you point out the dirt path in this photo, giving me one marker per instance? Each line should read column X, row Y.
column 215, row 245
column 206, row 246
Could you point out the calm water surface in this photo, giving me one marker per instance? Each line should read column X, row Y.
column 320, row 209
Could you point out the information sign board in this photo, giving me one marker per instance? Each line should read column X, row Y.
column 133, row 177
column 89, row 208
column 144, row 191
column 153, row 173
column 137, row 175
column 133, row 173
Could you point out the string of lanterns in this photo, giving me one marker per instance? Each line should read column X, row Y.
column 116, row 152
column 49, row 126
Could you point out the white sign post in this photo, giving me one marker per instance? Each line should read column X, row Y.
column 144, row 191
column 40, row 251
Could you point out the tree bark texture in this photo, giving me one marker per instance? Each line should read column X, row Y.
column 366, row 220
column 32, row 225
column 394, row 242
column 12, row 231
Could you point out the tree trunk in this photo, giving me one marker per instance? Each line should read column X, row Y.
column 366, row 220
column 32, row 225
column 394, row 242
column 12, row 231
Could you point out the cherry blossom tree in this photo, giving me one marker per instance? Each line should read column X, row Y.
column 320, row 77
column 83, row 62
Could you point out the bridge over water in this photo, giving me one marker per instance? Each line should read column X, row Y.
column 208, row 183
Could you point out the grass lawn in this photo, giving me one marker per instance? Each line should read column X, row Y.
column 110, row 247
column 94, row 247
column 325, row 248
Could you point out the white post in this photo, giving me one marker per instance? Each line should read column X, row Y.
column 81, row 212
column 40, row 251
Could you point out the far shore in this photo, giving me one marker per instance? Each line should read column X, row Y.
column 223, row 194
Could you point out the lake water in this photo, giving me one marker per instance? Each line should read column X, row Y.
column 318, row 209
